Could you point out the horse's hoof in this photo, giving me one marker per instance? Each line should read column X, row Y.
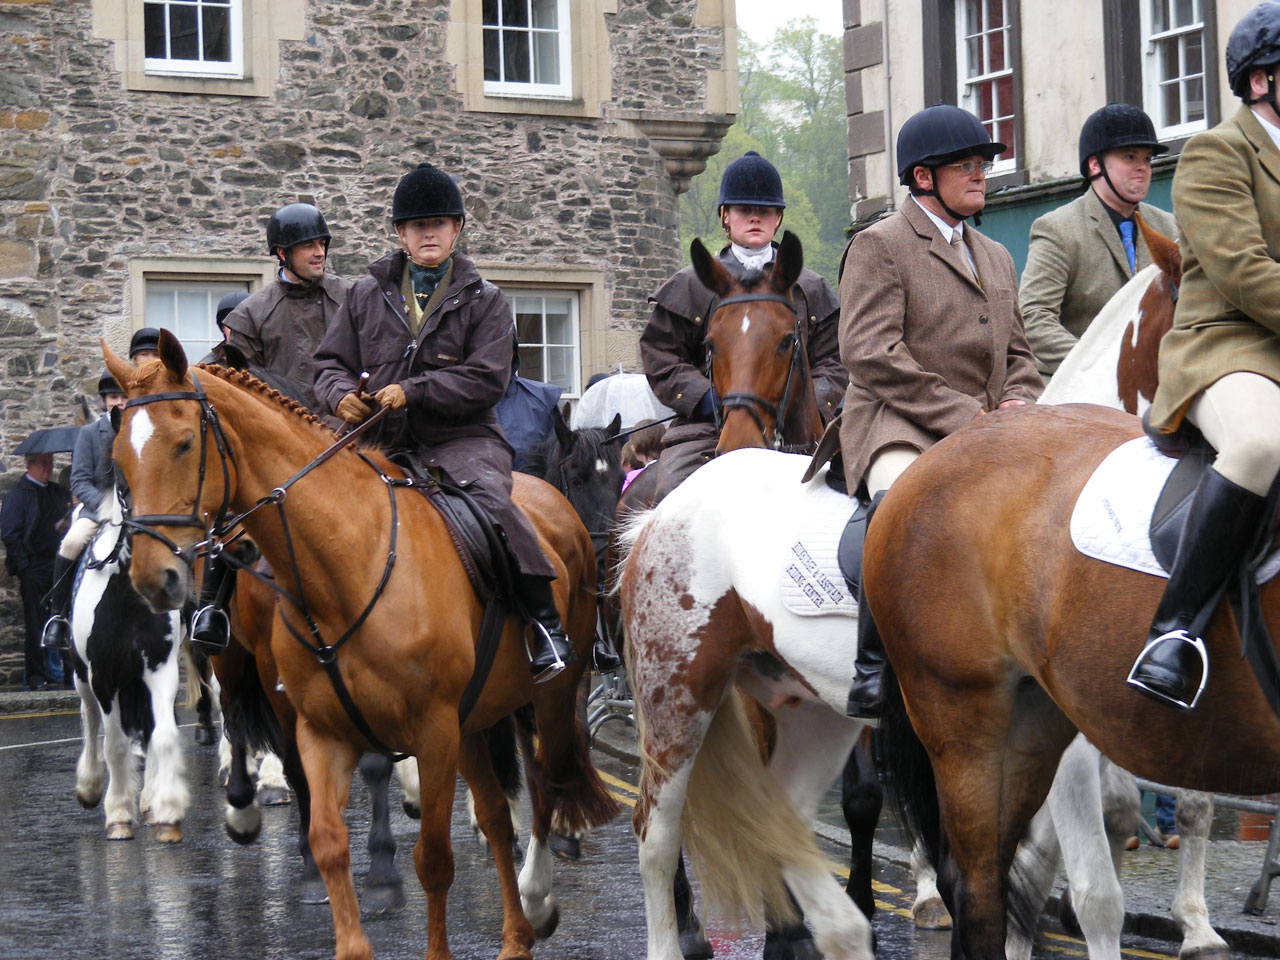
column 168, row 832
column 1205, row 953
column 206, row 736
column 931, row 914
column 694, row 944
column 119, row 831
column 412, row 810
column 243, row 824
column 566, row 848
column 274, row 796
column 313, row 892
column 548, row 926
column 87, row 801
column 382, row 900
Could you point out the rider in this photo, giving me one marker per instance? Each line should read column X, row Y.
column 436, row 338
column 1220, row 364
column 92, row 483
column 1082, row 253
column 274, row 333
column 672, row 346
column 929, row 327
column 221, row 353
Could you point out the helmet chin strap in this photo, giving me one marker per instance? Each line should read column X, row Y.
column 1270, row 96
column 933, row 192
column 1107, row 177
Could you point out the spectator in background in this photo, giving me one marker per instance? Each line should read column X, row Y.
column 643, row 448
column 29, row 519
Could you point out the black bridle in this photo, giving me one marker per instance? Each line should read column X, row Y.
column 756, row 406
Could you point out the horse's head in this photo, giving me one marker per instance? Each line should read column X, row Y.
column 1138, row 370
column 756, row 353
column 170, row 451
column 586, row 466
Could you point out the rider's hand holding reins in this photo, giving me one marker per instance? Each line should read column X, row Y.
column 392, row 395
column 352, row 409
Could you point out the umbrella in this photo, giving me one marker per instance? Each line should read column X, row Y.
column 50, row 440
column 624, row 393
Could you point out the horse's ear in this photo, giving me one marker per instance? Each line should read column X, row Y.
column 614, row 427
column 117, row 366
column 172, row 355
column 563, row 433
column 1164, row 251
column 711, row 272
column 565, row 410
column 788, row 263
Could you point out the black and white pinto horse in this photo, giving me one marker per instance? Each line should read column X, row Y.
column 126, row 662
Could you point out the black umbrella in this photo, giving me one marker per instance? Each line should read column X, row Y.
column 51, row 440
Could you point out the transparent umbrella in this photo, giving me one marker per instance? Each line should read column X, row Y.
column 624, row 393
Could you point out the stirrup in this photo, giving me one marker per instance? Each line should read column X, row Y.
column 47, row 640
column 1182, row 636
column 557, row 666
column 216, row 620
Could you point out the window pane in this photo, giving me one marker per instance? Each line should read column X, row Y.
column 489, row 13
column 183, row 43
column 1195, row 99
column 515, row 56
column 515, row 13
column 1193, row 52
column 492, row 61
column 974, row 58
column 1169, row 94
column 160, row 308
column 973, row 16
column 217, row 34
column 1004, row 97
column 995, row 14
column 545, row 13
column 995, row 51
column 1168, row 51
column 1004, row 134
column 529, row 327
column 1184, row 13
column 1159, row 16
column 531, row 363
column 560, row 367
column 559, row 321
column 546, row 64
column 153, row 30
column 984, row 93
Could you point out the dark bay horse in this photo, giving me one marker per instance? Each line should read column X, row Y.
column 200, row 445
column 1006, row 641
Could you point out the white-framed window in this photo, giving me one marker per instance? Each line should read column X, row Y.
column 194, row 37
column 527, row 48
column 188, row 308
column 1173, row 66
column 984, row 65
column 547, row 326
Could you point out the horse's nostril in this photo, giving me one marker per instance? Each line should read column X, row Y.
column 172, row 581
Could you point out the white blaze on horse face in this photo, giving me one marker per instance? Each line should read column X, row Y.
column 746, row 322
column 140, row 430
column 601, row 467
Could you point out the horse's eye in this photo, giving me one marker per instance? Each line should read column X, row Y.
column 787, row 343
column 184, row 447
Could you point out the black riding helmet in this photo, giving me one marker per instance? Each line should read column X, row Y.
column 228, row 303
column 939, row 135
column 293, row 224
column 1254, row 44
column 751, row 181
column 107, row 384
column 426, row 191
column 146, row 338
column 1114, row 127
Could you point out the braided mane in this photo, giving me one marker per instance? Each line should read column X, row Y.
column 243, row 378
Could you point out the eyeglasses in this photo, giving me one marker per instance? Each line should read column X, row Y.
column 967, row 167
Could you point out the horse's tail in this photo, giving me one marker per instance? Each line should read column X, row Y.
column 501, row 741
column 199, row 669
column 629, row 532
column 906, row 770
column 251, row 717
column 739, row 826
column 567, row 783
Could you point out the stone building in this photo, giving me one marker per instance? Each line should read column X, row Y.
column 1033, row 70
column 146, row 142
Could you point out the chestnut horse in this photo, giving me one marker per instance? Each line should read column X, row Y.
column 1006, row 641
column 366, row 563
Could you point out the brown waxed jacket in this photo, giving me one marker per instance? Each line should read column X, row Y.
column 279, row 327
column 673, row 351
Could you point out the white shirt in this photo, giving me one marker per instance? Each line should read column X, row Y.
column 752, row 259
column 947, row 230
column 1272, row 130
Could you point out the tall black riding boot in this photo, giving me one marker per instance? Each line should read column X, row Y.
column 209, row 624
column 551, row 651
column 1221, row 524
column 57, row 629
column 866, row 694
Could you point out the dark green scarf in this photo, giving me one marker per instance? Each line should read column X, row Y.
column 426, row 279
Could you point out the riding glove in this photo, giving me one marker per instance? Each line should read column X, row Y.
column 392, row 395
column 352, row 409
column 707, row 406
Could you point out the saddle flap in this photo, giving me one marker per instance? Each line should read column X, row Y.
column 1174, row 502
column 849, row 553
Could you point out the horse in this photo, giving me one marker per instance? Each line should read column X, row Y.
column 988, row 611
column 374, row 640
column 126, row 662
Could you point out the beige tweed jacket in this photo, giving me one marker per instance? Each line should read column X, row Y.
column 1075, row 264
column 927, row 347
column 1226, row 195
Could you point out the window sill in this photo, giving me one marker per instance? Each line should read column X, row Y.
column 203, row 85
column 1003, row 181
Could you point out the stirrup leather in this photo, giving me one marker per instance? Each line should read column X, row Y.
column 1182, row 636
column 557, row 667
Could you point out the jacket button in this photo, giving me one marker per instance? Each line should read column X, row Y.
column 983, row 318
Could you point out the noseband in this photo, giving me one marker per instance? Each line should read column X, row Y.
column 756, row 406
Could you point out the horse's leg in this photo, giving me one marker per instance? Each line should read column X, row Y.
column 494, row 817
column 90, row 771
column 861, row 798
column 383, row 891
column 656, row 822
column 693, row 939
column 243, row 816
column 329, row 764
column 407, row 772
column 1199, row 939
column 208, row 705
column 120, row 801
column 167, row 787
column 273, row 786
column 1035, row 866
column 432, row 854
column 928, row 912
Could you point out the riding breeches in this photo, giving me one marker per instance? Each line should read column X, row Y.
column 685, row 448
column 78, row 537
column 887, row 464
column 1240, row 416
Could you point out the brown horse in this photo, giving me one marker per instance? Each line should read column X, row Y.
column 198, row 444
column 1005, row 641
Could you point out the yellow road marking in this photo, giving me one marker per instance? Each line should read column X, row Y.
column 41, row 713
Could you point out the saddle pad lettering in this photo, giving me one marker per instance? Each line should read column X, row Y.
column 810, row 580
column 1112, row 517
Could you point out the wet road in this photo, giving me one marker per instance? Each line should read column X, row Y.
column 67, row 892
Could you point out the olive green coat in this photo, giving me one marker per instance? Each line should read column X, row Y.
column 1226, row 196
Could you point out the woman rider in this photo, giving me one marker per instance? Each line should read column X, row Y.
column 436, row 340
column 1220, row 364
column 672, row 346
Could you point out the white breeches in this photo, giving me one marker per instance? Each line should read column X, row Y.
column 887, row 464
column 78, row 536
column 1240, row 416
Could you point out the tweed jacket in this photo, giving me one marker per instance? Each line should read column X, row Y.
column 1075, row 264
column 1226, row 196
column 927, row 347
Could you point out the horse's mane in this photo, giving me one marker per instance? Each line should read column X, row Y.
column 246, row 380
column 593, row 443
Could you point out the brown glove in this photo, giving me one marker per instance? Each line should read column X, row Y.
column 352, row 409
column 392, row 395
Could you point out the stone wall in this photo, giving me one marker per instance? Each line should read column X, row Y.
column 93, row 175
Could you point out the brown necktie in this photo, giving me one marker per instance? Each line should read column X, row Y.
column 957, row 241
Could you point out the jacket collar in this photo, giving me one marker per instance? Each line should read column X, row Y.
column 389, row 270
column 926, row 229
column 1259, row 139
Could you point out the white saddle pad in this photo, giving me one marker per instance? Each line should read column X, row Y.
column 1112, row 517
column 811, row 582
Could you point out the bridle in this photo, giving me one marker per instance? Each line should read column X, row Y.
column 756, row 406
